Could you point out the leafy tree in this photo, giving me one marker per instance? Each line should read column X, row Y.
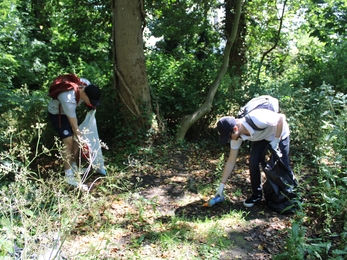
column 183, row 27
column 63, row 37
column 267, row 40
column 180, row 64
column 326, row 20
column 187, row 121
column 321, row 50
column 12, row 38
column 237, row 59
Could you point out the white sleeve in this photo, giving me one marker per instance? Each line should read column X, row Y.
column 68, row 103
column 235, row 144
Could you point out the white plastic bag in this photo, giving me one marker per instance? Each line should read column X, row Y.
column 90, row 136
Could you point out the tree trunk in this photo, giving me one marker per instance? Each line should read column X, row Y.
column 129, row 60
column 238, row 50
column 187, row 121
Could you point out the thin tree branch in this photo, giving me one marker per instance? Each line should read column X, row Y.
column 275, row 44
column 187, row 121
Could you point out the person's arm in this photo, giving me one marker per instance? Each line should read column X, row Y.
column 279, row 128
column 229, row 165
column 74, row 125
column 68, row 106
column 228, row 168
column 278, row 135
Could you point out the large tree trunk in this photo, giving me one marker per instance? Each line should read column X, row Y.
column 129, row 61
column 189, row 120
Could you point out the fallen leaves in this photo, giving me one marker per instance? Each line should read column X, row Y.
column 173, row 181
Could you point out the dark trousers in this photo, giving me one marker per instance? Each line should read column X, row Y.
column 257, row 150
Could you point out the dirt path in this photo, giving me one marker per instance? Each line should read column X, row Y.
column 261, row 237
column 175, row 182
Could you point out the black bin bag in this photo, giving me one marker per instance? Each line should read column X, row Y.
column 280, row 186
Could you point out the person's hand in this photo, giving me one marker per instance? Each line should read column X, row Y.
column 220, row 190
column 274, row 143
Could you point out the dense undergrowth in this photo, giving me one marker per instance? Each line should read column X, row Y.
column 39, row 213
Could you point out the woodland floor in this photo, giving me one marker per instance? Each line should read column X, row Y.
column 174, row 180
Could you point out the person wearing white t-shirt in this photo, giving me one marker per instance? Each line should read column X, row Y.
column 273, row 130
column 62, row 113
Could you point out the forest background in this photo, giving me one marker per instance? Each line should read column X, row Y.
column 168, row 70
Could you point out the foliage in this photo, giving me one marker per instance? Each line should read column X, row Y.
column 60, row 45
column 21, row 110
column 179, row 95
column 325, row 20
column 184, row 28
column 12, row 34
column 306, row 72
column 182, row 51
column 318, row 125
column 263, row 25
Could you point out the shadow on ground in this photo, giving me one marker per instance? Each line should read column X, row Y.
column 260, row 238
column 175, row 190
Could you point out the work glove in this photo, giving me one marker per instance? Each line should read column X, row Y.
column 220, row 190
column 275, row 145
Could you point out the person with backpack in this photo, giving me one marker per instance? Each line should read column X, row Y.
column 67, row 93
column 262, row 126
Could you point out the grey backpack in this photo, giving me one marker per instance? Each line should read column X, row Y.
column 264, row 102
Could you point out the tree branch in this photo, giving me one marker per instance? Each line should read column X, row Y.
column 275, row 44
column 187, row 121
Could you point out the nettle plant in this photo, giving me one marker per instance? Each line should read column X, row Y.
column 320, row 126
column 329, row 154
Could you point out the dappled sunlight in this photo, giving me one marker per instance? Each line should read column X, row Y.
column 177, row 221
